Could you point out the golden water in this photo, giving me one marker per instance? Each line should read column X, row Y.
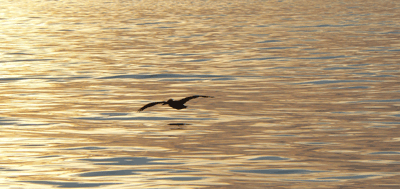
column 306, row 94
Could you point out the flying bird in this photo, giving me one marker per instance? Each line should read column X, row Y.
column 177, row 104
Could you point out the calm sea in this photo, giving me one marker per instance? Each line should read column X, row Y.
column 306, row 94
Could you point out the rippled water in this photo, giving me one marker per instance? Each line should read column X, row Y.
column 306, row 94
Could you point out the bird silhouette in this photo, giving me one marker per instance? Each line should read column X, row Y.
column 177, row 104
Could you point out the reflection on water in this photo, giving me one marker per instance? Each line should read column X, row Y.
column 306, row 94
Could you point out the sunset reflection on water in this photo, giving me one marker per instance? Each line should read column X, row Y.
column 306, row 94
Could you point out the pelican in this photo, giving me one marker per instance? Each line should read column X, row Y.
column 177, row 104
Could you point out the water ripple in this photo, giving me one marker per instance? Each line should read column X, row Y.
column 321, row 82
column 131, row 161
column 140, row 118
column 160, row 76
column 278, row 171
column 72, row 184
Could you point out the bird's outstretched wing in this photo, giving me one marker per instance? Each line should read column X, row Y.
column 150, row 105
column 184, row 100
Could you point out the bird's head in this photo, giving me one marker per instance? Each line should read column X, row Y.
column 170, row 100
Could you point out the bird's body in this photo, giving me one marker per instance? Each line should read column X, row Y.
column 176, row 104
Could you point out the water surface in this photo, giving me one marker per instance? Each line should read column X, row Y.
column 306, row 94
